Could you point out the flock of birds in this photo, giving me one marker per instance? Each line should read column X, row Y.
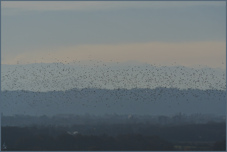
column 126, row 80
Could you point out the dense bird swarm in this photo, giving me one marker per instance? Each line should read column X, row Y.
column 127, row 81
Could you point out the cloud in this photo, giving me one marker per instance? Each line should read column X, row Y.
column 98, row 5
column 211, row 54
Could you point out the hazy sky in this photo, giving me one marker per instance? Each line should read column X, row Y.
column 189, row 33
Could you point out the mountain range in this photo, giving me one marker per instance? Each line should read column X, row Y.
column 158, row 101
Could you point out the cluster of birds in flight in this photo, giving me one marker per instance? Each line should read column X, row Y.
column 116, row 76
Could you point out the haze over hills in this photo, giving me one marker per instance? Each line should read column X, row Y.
column 159, row 101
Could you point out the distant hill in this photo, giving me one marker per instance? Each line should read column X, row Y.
column 158, row 101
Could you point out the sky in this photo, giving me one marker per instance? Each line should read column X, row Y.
column 188, row 33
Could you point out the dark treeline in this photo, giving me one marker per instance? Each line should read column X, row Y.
column 210, row 136
column 90, row 142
